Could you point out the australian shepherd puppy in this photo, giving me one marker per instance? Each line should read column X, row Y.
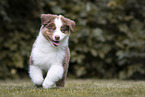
column 50, row 52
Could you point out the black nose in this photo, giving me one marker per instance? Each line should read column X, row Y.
column 57, row 37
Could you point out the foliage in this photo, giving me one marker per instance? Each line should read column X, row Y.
column 108, row 41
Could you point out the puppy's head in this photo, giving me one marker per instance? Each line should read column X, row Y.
column 56, row 28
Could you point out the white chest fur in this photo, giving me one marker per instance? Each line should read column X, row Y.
column 45, row 55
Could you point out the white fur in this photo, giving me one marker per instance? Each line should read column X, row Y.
column 58, row 26
column 48, row 58
column 54, row 74
column 36, row 78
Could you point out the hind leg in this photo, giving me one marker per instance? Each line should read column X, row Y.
column 61, row 82
column 36, row 75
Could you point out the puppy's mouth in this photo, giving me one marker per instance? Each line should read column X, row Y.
column 55, row 43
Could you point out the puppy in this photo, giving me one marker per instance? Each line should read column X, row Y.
column 50, row 52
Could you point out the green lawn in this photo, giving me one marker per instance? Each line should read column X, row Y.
column 75, row 88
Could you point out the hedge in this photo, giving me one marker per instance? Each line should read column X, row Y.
column 108, row 42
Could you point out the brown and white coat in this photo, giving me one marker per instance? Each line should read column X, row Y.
column 50, row 52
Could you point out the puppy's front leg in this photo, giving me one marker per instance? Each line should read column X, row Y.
column 36, row 75
column 53, row 75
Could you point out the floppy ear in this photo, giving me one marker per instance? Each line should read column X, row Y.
column 71, row 25
column 46, row 18
column 69, row 22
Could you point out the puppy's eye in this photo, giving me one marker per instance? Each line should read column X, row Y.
column 64, row 29
column 50, row 29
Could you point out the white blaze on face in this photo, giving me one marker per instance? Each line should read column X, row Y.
column 57, row 32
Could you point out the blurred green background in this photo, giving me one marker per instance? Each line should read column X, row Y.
column 108, row 42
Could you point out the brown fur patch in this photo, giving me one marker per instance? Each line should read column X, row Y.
column 61, row 82
column 31, row 61
column 47, row 34
column 47, row 18
column 65, row 29
column 68, row 22
column 49, row 27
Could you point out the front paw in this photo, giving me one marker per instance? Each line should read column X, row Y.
column 38, row 82
column 47, row 84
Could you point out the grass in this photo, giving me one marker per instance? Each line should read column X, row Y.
column 75, row 88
